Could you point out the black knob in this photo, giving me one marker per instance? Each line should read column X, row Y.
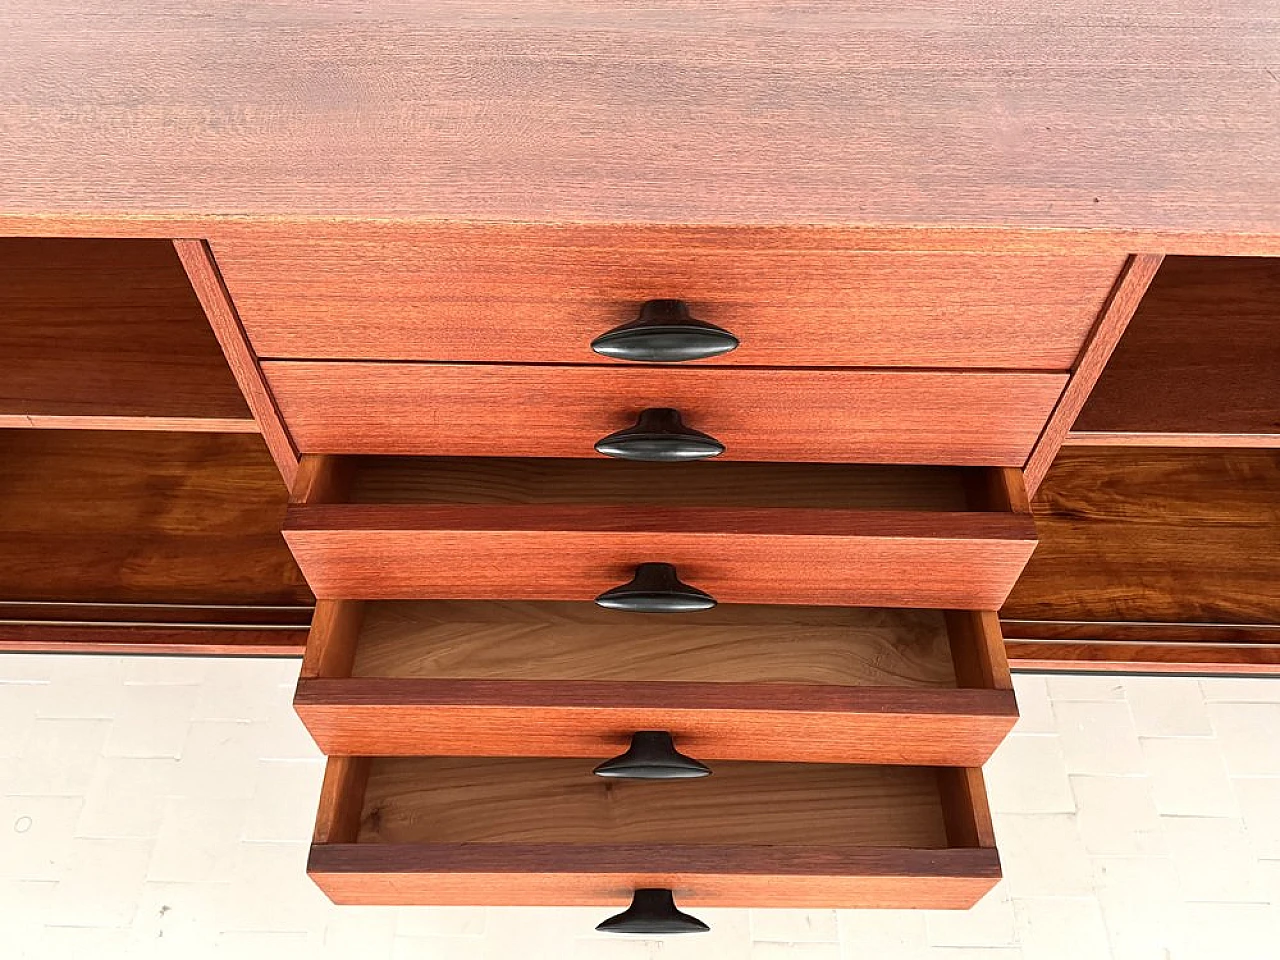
column 652, row 756
column 656, row 589
column 664, row 333
column 652, row 911
column 660, row 435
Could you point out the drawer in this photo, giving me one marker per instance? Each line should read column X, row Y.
column 518, row 831
column 543, row 411
column 515, row 294
column 813, row 684
column 822, row 534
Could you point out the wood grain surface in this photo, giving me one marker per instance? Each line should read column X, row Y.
column 139, row 517
column 1149, row 118
column 739, row 555
column 733, row 643
column 1123, row 301
column 1178, row 659
column 108, row 334
column 207, row 282
column 710, row 720
column 427, row 800
column 978, row 419
column 530, row 293
column 1199, row 363
column 815, row 684
column 707, row 483
column 151, row 641
column 1155, row 535
column 708, row 876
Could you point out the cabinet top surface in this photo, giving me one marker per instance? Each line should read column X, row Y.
column 1140, row 118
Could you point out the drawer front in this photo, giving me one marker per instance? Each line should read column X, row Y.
column 820, row 557
column 848, row 685
column 799, row 415
column 537, row 294
column 513, row 831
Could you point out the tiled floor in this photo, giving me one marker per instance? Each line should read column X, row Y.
column 157, row 807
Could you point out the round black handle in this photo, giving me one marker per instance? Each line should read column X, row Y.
column 652, row 756
column 652, row 911
column 660, row 435
column 664, row 333
column 656, row 589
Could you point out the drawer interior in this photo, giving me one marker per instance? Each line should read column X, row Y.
column 708, row 483
column 452, row 800
column 506, row 640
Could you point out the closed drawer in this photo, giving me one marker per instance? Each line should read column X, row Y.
column 514, row 294
column 538, row 411
column 514, row 831
column 838, row 534
column 813, row 684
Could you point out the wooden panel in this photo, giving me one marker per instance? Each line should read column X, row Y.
column 1156, row 535
column 528, row 293
column 534, row 801
column 1124, row 299
column 1200, row 362
column 1169, row 648
column 341, row 799
column 749, row 112
column 108, row 334
column 710, row 720
column 979, row 419
column 823, row 557
column 205, row 279
column 844, row 646
column 1178, row 659
column 126, row 517
column 706, row 483
column 562, row 875
column 152, row 640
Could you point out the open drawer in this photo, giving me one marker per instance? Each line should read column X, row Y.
column 510, row 831
column 385, row 528
column 813, row 684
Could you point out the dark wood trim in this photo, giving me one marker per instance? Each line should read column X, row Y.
column 150, row 639
column 1120, row 306
column 1175, row 648
column 1265, row 441
column 202, row 271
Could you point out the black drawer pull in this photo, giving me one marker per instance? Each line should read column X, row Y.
column 652, row 756
column 660, row 435
column 664, row 333
column 652, row 911
column 656, row 589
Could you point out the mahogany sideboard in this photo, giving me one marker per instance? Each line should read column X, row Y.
column 645, row 393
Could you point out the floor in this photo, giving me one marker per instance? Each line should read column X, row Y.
column 160, row 807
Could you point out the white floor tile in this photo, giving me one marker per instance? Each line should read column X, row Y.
column 1061, row 929
column 1098, row 738
column 1164, row 709
column 1117, row 817
column 1189, row 779
column 1027, row 774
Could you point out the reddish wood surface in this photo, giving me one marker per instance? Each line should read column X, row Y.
column 1146, row 535
column 977, row 650
column 965, row 808
column 205, row 279
column 522, row 293
column 1125, row 297
column 1146, row 119
column 404, row 717
column 1199, row 363
column 341, row 800
column 172, row 641
column 129, row 517
column 1165, row 658
column 710, row 876
column 978, row 419
column 824, row 557
column 108, row 334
